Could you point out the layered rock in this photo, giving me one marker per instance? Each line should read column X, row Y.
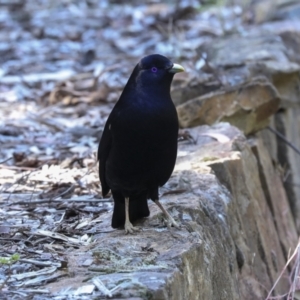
column 258, row 80
column 234, row 237
column 248, row 107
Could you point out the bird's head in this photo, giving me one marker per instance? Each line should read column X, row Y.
column 155, row 70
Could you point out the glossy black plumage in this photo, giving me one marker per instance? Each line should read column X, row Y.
column 138, row 148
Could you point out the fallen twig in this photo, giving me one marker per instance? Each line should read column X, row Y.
column 281, row 136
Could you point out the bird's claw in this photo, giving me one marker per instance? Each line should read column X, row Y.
column 129, row 228
column 171, row 222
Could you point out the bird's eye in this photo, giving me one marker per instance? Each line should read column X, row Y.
column 154, row 69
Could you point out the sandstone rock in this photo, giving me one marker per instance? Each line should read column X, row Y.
column 248, row 107
column 286, row 121
column 264, row 69
column 276, row 10
column 276, row 197
column 250, row 77
column 195, row 87
column 229, row 245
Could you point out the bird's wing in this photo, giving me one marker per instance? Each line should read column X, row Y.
column 106, row 143
column 103, row 152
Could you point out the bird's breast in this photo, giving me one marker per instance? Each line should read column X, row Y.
column 144, row 146
column 146, row 125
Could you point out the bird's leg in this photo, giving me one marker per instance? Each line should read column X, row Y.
column 170, row 220
column 128, row 226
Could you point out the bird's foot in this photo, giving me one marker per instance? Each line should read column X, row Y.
column 129, row 228
column 171, row 222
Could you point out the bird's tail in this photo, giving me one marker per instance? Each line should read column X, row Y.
column 138, row 208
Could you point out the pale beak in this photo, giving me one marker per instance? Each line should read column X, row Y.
column 176, row 68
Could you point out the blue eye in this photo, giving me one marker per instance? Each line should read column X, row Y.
column 154, row 69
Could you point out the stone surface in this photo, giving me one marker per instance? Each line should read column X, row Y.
column 228, row 246
column 283, row 9
column 249, row 78
column 252, row 221
column 248, row 107
column 275, row 194
column 249, row 86
column 286, row 121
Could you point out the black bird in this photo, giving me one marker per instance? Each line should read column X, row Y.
column 138, row 148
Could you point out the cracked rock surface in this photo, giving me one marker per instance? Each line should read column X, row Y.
column 228, row 246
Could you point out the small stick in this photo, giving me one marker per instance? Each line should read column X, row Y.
column 281, row 136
